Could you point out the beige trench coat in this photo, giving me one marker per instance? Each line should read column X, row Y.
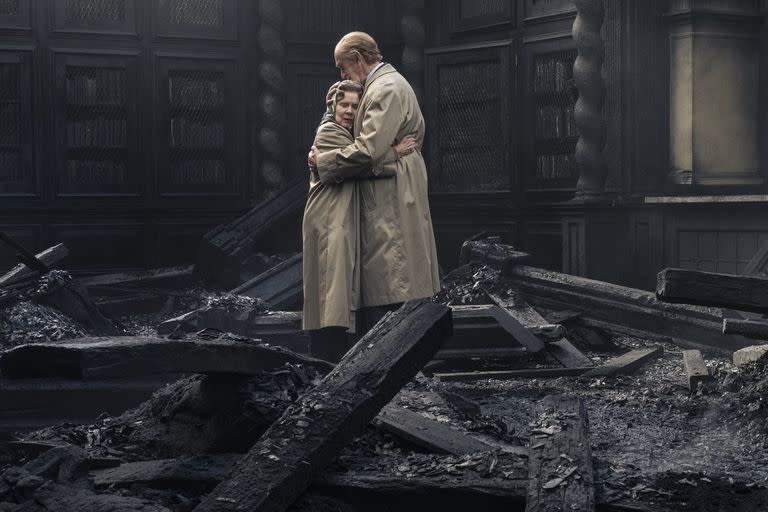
column 331, row 239
column 397, row 243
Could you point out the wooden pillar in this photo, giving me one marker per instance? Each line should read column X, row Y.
column 413, row 32
column 714, row 93
column 588, row 113
column 271, row 97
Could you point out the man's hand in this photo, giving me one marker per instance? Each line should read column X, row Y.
column 331, row 92
column 312, row 158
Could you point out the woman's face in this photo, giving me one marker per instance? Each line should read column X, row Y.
column 346, row 108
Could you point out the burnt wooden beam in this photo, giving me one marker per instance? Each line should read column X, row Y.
column 138, row 277
column 562, row 349
column 747, row 293
column 307, row 437
column 626, row 310
column 225, row 251
column 481, row 329
column 124, row 356
column 755, row 329
column 22, row 272
column 560, row 461
column 516, row 324
column 696, row 370
column 624, row 364
column 278, row 286
column 429, row 434
column 492, row 253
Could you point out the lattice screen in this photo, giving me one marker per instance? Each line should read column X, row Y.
column 201, row 13
column 469, row 149
column 10, row 124
column 556, row 133
column 9, row 7
column 93, row 12
column 198, row 130
column 96, row 127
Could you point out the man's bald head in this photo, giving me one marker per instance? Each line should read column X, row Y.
column 359, row 44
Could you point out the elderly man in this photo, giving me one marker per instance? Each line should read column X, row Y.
column 398, row 254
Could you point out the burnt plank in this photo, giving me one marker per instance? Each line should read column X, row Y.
column 21, row 272
column 490, row 252
column 123, row 356
column 621, row 309
column 748, row 293
column 478, row 333
column 426, row 433
column 562, row 349
column 510, row 319
column 626, row 363
column 138, row 277
column 282, row 464
column 526, row 373
column 278, row 286
column 696, row 370
column 204, row 469
column 755, row 329
column 560, row 461
column 225, row 251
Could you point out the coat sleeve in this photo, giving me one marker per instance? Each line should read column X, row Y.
column 372, row 149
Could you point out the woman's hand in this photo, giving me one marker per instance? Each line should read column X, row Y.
column 406, row 146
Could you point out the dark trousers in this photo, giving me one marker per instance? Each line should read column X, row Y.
column 329, row 344
column 368, row 317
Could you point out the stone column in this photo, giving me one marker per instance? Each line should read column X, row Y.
column 271, row 96
column 714, row 93
column 588, row 112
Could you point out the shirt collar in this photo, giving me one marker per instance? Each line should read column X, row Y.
column 373, row 71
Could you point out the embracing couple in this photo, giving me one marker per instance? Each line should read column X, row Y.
column 368, row 239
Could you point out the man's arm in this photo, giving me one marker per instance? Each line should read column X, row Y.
column 372, row 148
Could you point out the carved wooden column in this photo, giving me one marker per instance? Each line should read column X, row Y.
column 588, row 113
column 271, row 96
column 714, row 93
column 412, row 28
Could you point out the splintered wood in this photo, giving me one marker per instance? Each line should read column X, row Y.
column 307, row 437
column 560, row 461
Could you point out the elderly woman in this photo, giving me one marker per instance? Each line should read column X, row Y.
column 331, row 230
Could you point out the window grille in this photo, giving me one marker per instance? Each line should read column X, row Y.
column 11, row 167
column 556, row 134
column 96, row 128
column 9, row 7
column 198, row 132
column 202, row 13
column 470, row 149
column 93, row 12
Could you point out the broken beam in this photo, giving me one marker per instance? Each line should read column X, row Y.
column 104, row 358
column 282, row 464
column 426, row 433
column 755, row 329
column 619, row 365
column 21, row 272
column 696, row 370
column 560, row 460
column 747, row 293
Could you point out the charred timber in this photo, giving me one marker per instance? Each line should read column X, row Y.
column 282, row 464
column 747, row 293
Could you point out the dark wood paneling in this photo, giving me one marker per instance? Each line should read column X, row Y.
column 468, row 15
column 108, row 17
column 545, row 10
column 15, row 15
column 325, row 21
column 544, row 241
column 107, row 245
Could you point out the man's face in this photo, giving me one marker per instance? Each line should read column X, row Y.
column 350, row 69
column 346, row 108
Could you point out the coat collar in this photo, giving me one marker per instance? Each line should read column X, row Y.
column 383, row 70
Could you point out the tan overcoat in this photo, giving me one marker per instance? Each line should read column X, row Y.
column 331, row 239
column 397, row 243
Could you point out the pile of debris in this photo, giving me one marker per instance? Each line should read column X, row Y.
column 517, row 387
